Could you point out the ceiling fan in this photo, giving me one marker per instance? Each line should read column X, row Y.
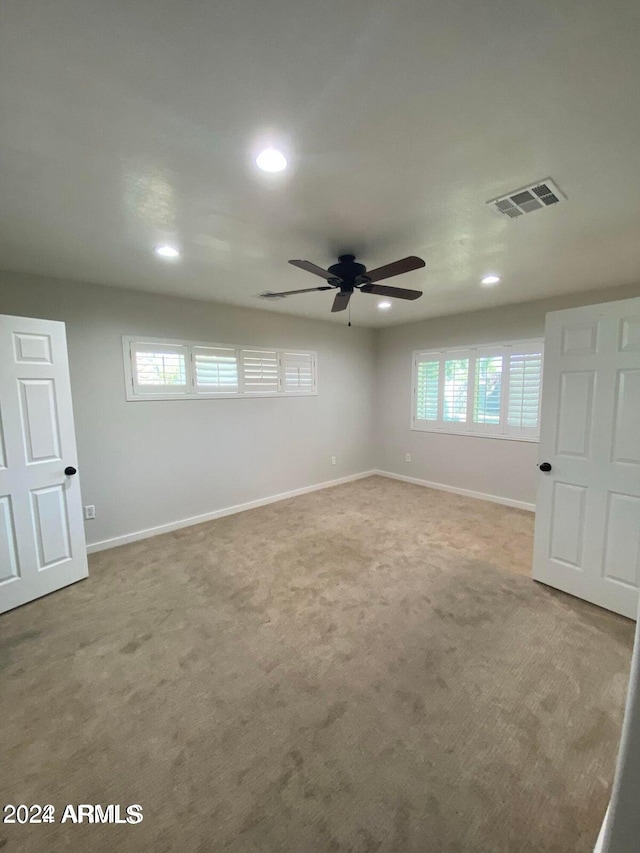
column 347, row 276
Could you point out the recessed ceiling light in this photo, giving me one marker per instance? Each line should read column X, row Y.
column 167, row 252
column 271, row 160
column 491, row 279
column 384, row 305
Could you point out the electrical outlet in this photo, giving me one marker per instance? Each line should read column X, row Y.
column 407, row 457
column 333, row 460
column 90, row 512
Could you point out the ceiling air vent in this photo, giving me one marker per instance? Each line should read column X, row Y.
column 527, row 199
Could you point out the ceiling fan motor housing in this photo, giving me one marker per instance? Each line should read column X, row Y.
column 348, row 271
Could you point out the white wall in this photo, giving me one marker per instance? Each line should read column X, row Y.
column 153, row 463
column 506, row 469
column 150, row 463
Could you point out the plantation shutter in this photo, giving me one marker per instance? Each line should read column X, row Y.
column 488, row 395
column 216, row 370
column 455, row 390
column 525, row 380
column 491, row 389
column 259, row 371
column 297, row 372
column 426, row 389
column 159, row 368
column 165, row 370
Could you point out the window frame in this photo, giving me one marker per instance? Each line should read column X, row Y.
column 129, row 343
column 479, row 430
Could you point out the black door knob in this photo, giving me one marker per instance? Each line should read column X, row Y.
column 545, row 466
column 70, row 471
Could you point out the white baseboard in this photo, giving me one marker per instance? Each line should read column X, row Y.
column 219, row 513
column 231, row 510
column 496, row 499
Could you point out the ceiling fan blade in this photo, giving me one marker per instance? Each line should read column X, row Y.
column 316, row 270
column 268, row 295
column 341, row 301
column 396, row 268
column 397, row 292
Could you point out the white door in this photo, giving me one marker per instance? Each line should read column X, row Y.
column 42, row 546
column 587, row 538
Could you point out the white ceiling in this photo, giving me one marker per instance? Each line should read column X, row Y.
column 127, row 123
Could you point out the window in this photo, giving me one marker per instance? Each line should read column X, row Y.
column 215, row 370
column 261, row 371
column 168, row 370
column 485, row 390
column 298, row 372
column 455, row 393
column 159, row 369
column 525, row 375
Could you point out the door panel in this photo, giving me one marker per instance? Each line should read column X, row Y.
column 51, row 525
column 3, row 463
column 575, row 409
column 8, row 551
column 42, row 546
column 626, row 436
column 567, row 524
column 587, row 539
column 32, row 348
column 580, row 338
column 630, row 334
column 622, row 539
column 39, row 419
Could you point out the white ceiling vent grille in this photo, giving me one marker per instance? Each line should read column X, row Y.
column 527, row 199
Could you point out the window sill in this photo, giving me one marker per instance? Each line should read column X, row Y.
column 145, row 398
column 500, row 436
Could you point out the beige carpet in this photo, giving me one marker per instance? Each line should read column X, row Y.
column 366, row 668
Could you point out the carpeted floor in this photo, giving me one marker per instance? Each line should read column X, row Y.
column 365, row 668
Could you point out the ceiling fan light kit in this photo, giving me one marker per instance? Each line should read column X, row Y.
column 348, row 276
